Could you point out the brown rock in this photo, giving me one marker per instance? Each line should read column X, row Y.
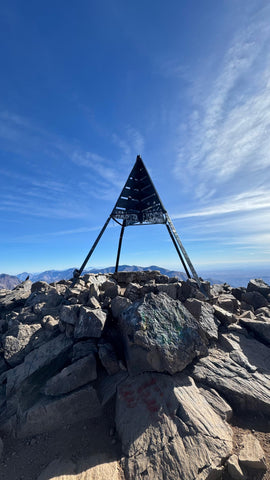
column 252, row 455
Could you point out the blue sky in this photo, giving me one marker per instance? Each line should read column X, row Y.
column 88, row 85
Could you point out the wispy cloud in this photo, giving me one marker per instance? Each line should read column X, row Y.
column 228, row 132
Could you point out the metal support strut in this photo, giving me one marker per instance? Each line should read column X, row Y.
column 119, row 246
column 178, row 251
column 76, row 272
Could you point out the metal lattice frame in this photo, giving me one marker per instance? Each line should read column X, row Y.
column 139, row 204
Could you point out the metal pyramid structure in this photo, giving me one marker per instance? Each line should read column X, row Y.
column 139, row 204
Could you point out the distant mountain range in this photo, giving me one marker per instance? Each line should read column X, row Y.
column 8, row 281
column 235, row 278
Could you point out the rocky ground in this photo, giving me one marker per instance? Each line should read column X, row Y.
column 135, row 376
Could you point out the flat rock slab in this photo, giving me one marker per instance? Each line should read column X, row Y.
column 90, row 323
column 160, row 335
column 168, row 429
column 74, row 376
column 96, row 467
column 252, row 455
column 49, row 415
column 243, row 389
column 36, row 360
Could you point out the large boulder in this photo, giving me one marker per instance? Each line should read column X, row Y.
column 160, row 335
column 90, row 322
column 168, row 430
column 16, row 341
column 204, row 313
column 16, row 297
column 258, row 285
column 237, row 377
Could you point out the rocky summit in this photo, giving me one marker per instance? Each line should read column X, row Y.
column 171, row 366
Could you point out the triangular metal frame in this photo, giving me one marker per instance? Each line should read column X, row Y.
column 139, row 204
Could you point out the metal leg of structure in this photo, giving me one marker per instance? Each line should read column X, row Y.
column 119, row 246
column 77, row 273
column 178, row 251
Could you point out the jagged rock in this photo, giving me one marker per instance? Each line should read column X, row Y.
column 110, row 288
column 83, row 348
column 171, row 289
column 256, row 299
column 221, row 407
column 228, row 302
column 247, row 314
column 238, row 292
column 258, row 285
column 252, row 455
column 204, row 313
column 90, row 323
column 168, row 429
column 43, row 293
column 260, row 328
column 50, row 323
column 16, row 297
column 224, row 316
column 118, row 305
column 93, row 302
column 190, row 289
column 53, row 352
column 74, row 376
column 1, row 447
column 245, row 390
column 133, row 291
column 69, row 314
column 160, row 335
column 49, row 415
column 15, row 342
column 234, row 468
column 108, row 358
column 3, row 365
column 107, row 386
column 264, row 311
column 247, row 352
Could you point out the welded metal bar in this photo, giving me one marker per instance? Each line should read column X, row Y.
column 178, row 251
column 119, row 246
column 76, row 272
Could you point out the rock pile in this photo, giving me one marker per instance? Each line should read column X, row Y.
column 176, row 364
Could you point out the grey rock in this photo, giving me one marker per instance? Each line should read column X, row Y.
column 50, row 323
column 221, row 407
column 224, row 316
column 228, row 302
column 162, row 421
column 50, row 415
column 133, row 291
column 1, row 448
column 234, row 468
column 171, row 289
column 44, row 293
column 245, row 391
column 83, row 348
column 204, row 313
column 260, row 328
column 93, row 302
column 37, row 360
column 90, row 323
column 107, row 386
column 69, row 314
column 258, row 285
column 256, row 299
column 118, row 305
column 160, row 335
column 16, row 297
column 238, row 292
column 15, row 342
column 252, row 455
column 108, row 358
column 72, row 377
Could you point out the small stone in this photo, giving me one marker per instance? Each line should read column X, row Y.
column 252, row 454
column 234, row 468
